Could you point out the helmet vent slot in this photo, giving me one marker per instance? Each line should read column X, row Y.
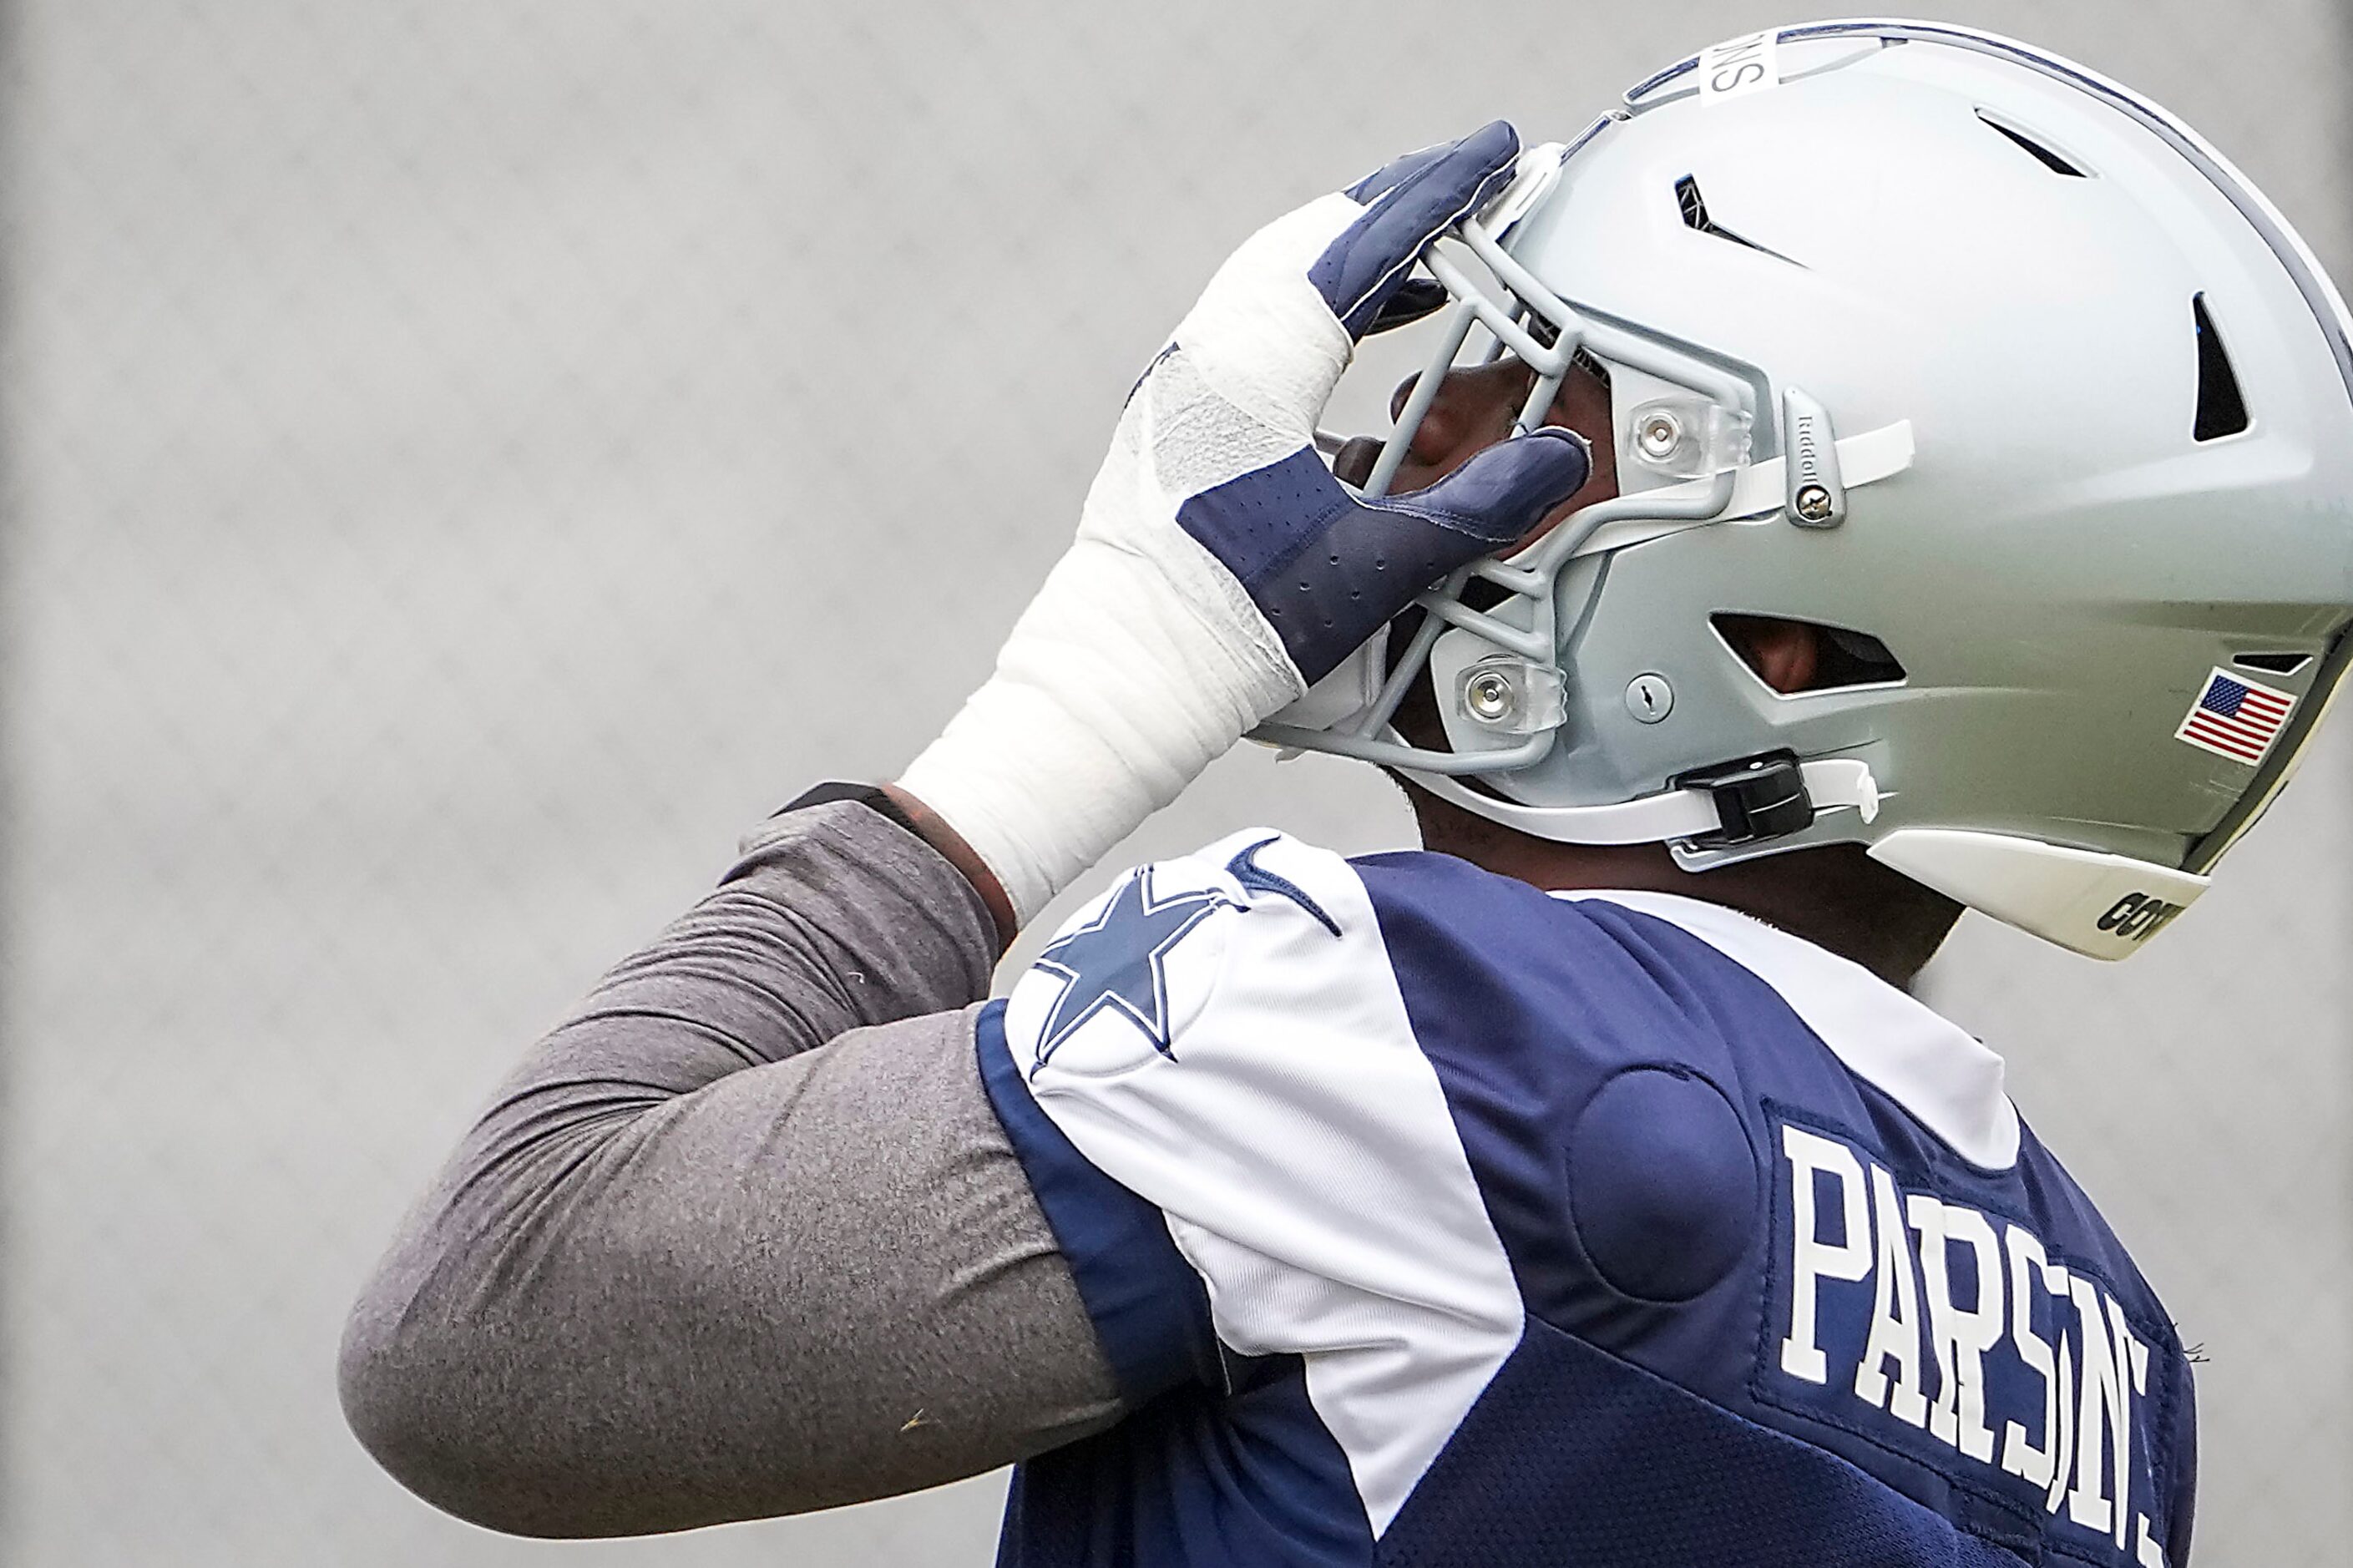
column 2222, row 410
column 2034, row 149
column 2271, row 663
column 1694, row 210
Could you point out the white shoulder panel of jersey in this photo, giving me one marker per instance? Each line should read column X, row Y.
column 1928, row 1065
column 1223, row 1035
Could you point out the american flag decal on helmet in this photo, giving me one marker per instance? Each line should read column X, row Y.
column 2235, row 718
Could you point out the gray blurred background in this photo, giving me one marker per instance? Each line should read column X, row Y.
column 467, row 462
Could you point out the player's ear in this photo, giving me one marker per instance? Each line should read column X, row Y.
column 1786, row 655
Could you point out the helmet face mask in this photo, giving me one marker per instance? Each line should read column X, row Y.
column 1962, row 354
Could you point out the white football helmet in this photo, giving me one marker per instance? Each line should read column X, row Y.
column 1981, row 363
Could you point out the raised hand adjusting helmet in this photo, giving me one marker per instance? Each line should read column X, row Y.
column 1985, row 365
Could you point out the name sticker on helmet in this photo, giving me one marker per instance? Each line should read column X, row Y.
column 1738, row 66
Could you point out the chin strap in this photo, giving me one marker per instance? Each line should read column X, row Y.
column 1740, row 803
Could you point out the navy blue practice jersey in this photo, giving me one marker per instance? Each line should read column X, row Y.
column 1426, row 1219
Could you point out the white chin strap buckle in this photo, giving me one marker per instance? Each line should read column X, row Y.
column 1723, row 807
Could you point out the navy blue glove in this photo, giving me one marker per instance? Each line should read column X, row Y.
column 1323, row 568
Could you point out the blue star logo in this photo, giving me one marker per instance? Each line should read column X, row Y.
column 1119, row 961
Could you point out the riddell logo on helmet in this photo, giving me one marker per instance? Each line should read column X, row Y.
column 2136, row 917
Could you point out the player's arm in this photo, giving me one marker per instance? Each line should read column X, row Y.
column 745, row 1236
column 741, row 1237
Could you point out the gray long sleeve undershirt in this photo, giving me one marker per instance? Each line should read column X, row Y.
column 741, row 1237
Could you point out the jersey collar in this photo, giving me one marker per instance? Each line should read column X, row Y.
column 1949, row 1080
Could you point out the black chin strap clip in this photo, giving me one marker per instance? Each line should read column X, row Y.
column 1756, row 798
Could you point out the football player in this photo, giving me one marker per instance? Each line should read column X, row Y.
column 1881, row 470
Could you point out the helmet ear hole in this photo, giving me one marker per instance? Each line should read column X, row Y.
column 1793, row 655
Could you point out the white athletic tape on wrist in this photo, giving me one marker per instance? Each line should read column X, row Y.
column 1115, row 690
